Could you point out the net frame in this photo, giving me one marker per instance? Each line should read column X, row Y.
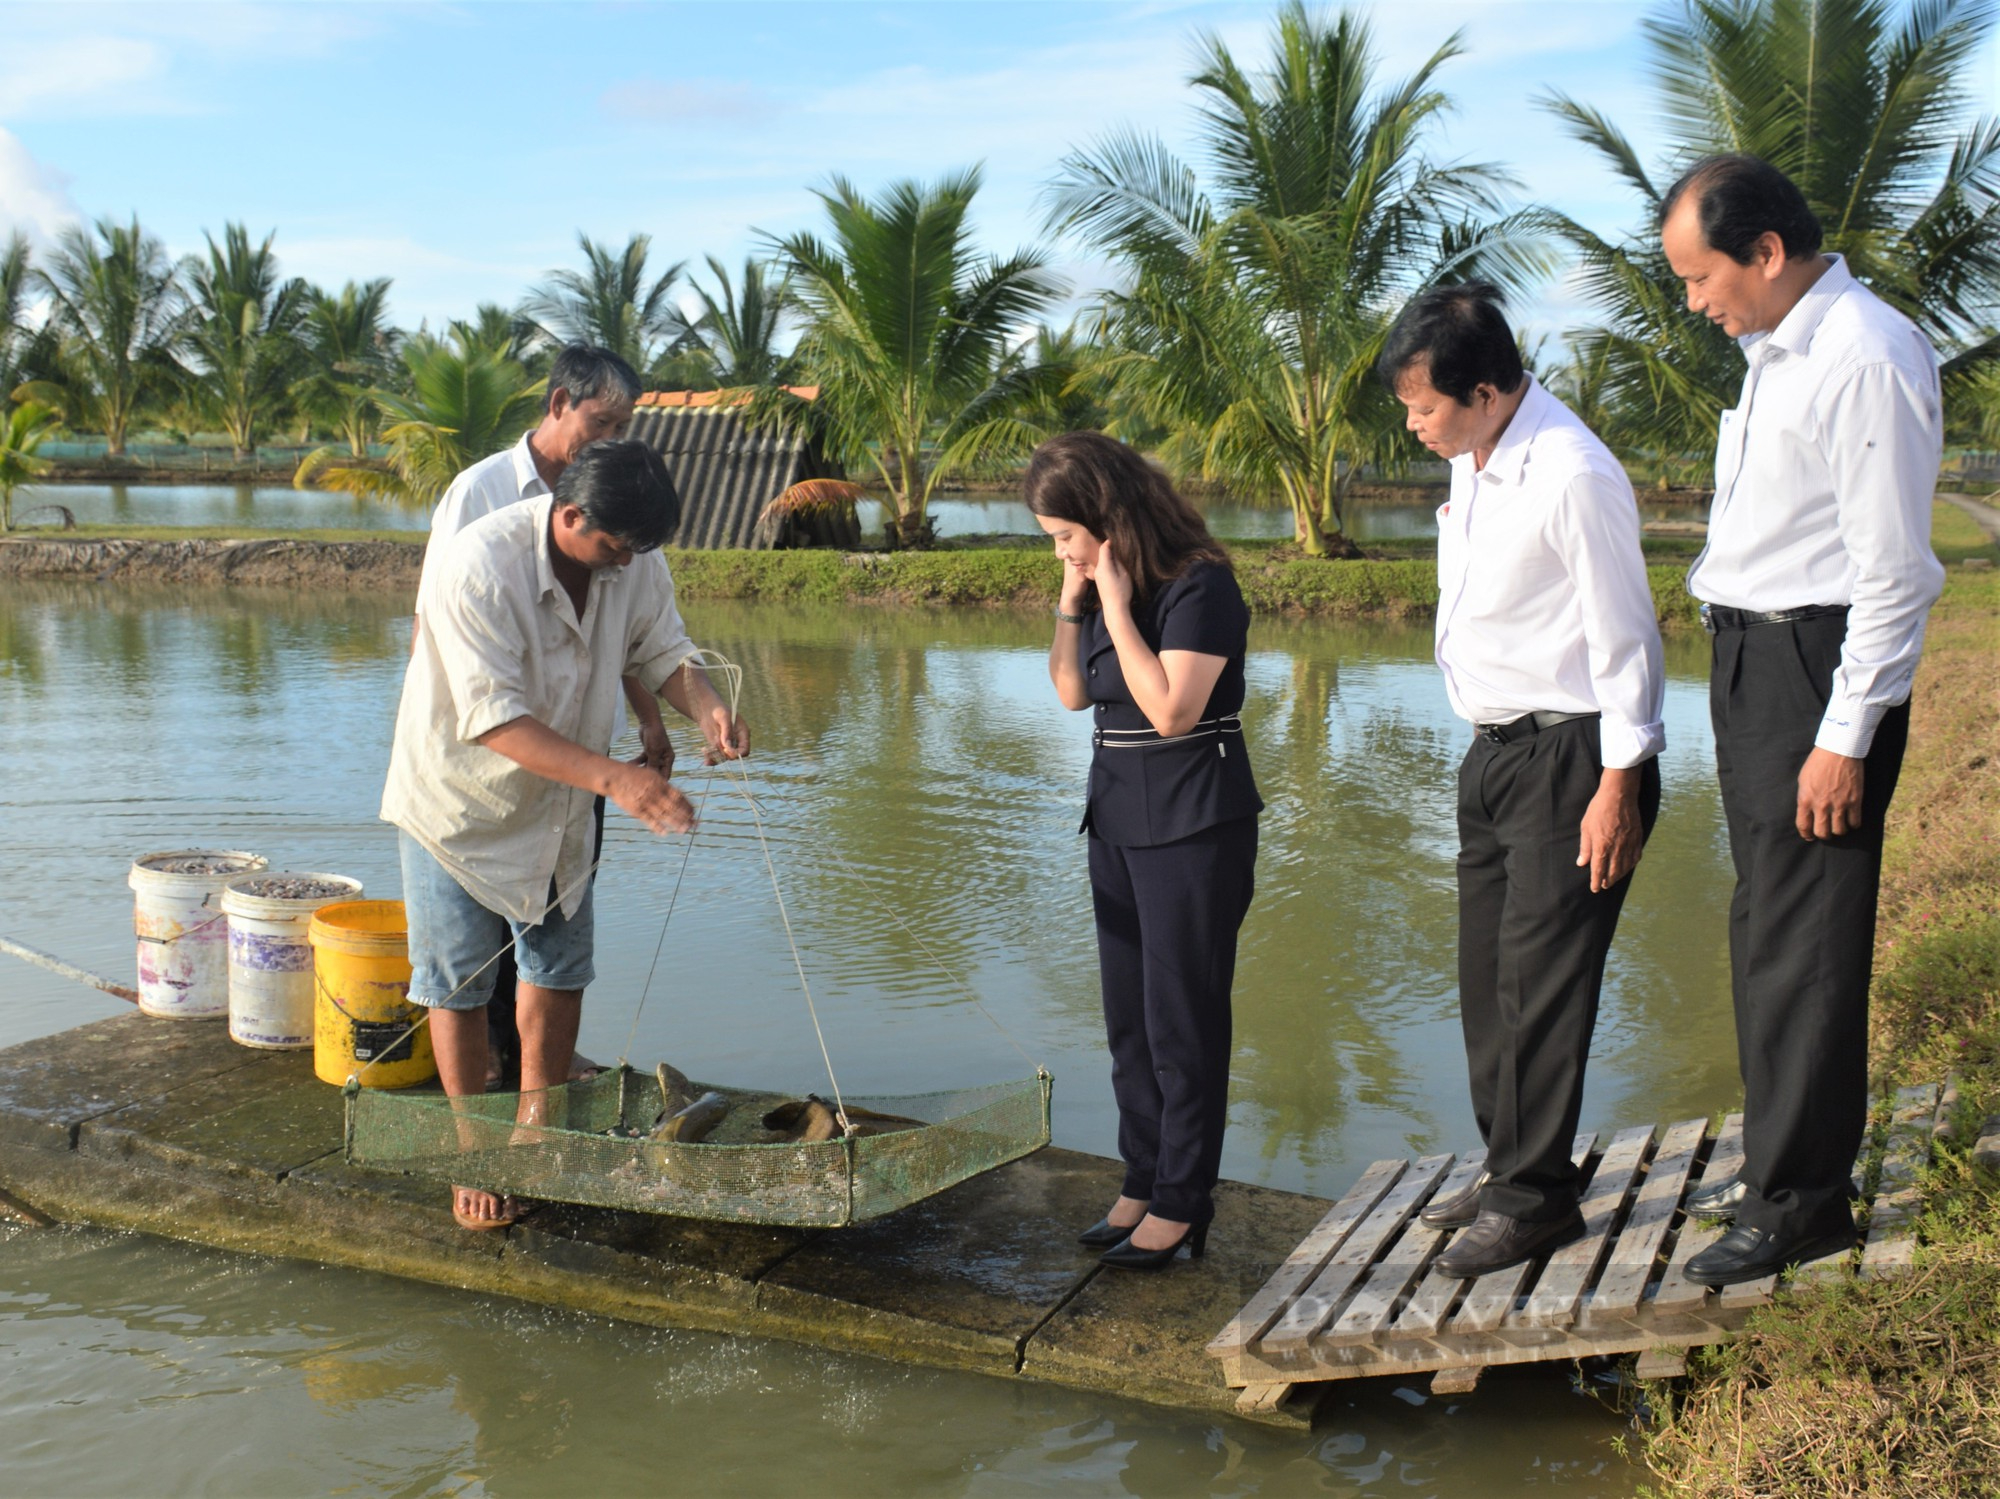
column 476, row 1141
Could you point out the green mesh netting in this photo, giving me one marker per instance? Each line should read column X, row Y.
column 732, row 1176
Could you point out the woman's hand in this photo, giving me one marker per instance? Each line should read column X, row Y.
column 1075, row 588
column 1114, row 584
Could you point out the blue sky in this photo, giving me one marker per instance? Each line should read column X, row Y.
column 460, row 147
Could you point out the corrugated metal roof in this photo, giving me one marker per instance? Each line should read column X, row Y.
column 725, row 470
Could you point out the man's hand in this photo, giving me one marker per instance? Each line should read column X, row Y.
column 1612, row 836
column 647, row 795
column 1829, row 795
column 656, row 750
column 728, row 737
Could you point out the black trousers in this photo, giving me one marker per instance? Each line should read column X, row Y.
column 1801, row 923
column 1532, row 941
column 1167, row 918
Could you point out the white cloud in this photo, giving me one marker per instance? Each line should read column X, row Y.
column 673, row 101
column 33, row 198
column 103, row 60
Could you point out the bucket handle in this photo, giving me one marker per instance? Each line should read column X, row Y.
column 199, row 926
column 334, row 1000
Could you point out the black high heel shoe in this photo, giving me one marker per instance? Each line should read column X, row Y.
column 1104, row 1233
column 1127, row 1257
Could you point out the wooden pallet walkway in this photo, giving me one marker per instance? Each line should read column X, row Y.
column 1361, row 1295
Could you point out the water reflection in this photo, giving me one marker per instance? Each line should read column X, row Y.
column 234, row 1374
column 919, row 787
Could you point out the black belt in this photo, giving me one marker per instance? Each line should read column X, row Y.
column 1208, row 728
column 1526, row 726
column 1716, row 617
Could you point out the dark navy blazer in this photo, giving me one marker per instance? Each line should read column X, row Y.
column 1145, row 790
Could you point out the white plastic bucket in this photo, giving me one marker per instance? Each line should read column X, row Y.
column 183, row 935
column 271, row 960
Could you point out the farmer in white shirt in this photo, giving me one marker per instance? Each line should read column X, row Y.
column 590, row 397
column 1816, row 582
column 508, row 711
column 1550, row 647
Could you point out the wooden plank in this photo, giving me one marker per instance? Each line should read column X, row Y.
column 1661, row 1363
column 1380, row 1296
column 1890, row 1249
column 1266, row 1396
column 1678, row 1296
column 1321, row 1301
column 1459, row 1381
column 1567, row 1274
column 1490, row 1298
column 1615, row 1298
column 1448, row 1351
column 1304, row 1262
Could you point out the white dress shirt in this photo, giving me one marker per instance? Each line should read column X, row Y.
column 1824, row 475
column 500, row 641
column 1543, row 600
column 491, row 484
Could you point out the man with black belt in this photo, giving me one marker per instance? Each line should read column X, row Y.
column 1815, row 582
column 1549, row 645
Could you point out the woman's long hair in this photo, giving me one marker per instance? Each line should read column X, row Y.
column 1097, row 482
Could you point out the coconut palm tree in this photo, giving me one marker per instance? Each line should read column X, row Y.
column 904, row 327
column 1254, row 306
column 22, row 348
column 349, row 349
column 611, row 302
column 464, row 401
column 23, row 426
column 1862, row 103
column 738, row 326
column 117, row 307
column 244, row 333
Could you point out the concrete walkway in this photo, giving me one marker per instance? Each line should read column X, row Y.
column 168, row 1127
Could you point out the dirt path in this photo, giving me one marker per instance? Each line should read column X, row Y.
column 1986, row 515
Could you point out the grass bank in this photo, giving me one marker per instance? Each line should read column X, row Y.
column 1890, row 1389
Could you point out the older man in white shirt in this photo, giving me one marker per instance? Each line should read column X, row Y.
column 502, row 738
column 1550, row 647
column 590, row 397
column 1816, row 582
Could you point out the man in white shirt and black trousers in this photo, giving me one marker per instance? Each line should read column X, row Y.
column 1816, row 582
column 1550, row 646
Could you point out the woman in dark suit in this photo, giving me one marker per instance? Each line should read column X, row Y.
column 1150, row 634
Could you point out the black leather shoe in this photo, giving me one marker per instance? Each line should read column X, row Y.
column 1104, row 1233
column 1128, row 1257
column 1745, row 1254
column 1496, row 1241
column 1456, row 1210
column 1721, row 1199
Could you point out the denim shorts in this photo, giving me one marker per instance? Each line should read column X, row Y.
column 454, row 940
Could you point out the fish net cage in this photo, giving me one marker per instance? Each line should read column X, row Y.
column 740, row 1173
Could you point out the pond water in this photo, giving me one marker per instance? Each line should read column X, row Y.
column 927, row 750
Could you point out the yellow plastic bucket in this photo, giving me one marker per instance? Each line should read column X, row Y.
column 362, row 1016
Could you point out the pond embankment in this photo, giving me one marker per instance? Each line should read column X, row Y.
column 1276, row 579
